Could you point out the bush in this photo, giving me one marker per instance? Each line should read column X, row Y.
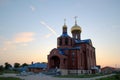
column 9, row 78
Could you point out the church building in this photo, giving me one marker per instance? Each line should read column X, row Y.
column 73, row 55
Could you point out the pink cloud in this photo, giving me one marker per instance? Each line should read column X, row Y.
column 24, row 37
column 20, row 39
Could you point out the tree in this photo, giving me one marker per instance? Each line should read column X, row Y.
column 1, row 68
column 7, row 65
column 16, row 65
column 24, row 64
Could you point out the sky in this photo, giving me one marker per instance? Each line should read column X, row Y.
column 29, row 28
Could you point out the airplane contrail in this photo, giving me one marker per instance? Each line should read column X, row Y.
column 52, row 30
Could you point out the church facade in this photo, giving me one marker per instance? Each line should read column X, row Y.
column 73, row 55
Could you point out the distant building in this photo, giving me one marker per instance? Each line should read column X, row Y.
column 37, row 67
column 21, row 69
column 108, row 70
column 73, row 55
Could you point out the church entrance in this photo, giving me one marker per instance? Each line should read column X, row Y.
column 55, row 61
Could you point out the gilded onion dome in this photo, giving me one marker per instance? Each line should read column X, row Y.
column 76, row 27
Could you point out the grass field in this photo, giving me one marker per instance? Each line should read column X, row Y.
column 1, row 73
column 9, row 78
column 8, row 71
column 114, row 77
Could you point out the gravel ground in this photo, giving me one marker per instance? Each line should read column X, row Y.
column 45, row 77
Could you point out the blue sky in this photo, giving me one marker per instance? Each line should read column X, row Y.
column 29, row 28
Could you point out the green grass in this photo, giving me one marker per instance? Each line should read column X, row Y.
column 10, row 71
column 114, row 77
column 1, row 73
column 80, row 76
column 9, row 78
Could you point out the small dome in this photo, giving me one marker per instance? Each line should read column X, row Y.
column 64, row 26
column 76, row 28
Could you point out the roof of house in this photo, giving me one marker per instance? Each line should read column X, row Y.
column 25, row 68
column 38, row 65
column 108, row 67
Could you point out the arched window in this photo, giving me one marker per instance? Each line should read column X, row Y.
column 66, row 41
column 76, row 37
column 60, row 41
column 73, row 58
column 73, row 61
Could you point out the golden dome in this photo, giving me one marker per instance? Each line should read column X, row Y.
column 76, row 28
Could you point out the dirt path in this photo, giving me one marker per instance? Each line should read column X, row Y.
column 45, row 77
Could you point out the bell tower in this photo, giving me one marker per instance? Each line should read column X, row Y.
column 64, row 41
column 76, row 31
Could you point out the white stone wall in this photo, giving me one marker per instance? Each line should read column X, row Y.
column 64, row 71
column 79, row 72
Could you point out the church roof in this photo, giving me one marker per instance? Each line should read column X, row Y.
column 38, row 65
column 65, row 35
column 83, row 41
column 75, row 48
column 61, row 50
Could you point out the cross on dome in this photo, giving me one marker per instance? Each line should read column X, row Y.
column 64, row 21
column 76, row 20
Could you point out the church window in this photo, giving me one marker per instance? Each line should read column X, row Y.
column 66, row 41
column 60, row 41
column 64, row 61
column 76, row 36
column 73, row 58
column 73, row 61
column 91, row 53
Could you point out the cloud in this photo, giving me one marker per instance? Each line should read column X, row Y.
column 32, row 8
column 49, row 27
column 20, row 39
column 24, row 44
column 24, row 37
